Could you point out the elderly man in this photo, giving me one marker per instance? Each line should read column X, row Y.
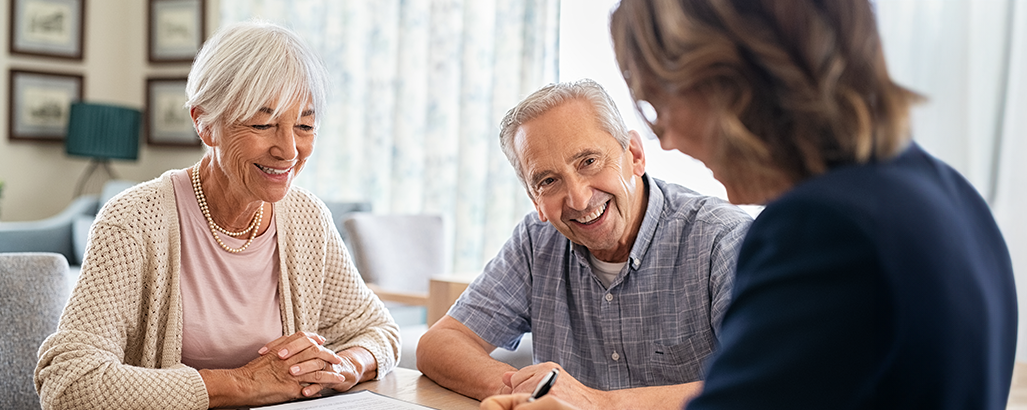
column 623, row 288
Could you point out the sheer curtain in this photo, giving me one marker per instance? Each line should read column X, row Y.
column 969, row 57
column 419, row 87
column 1010, row 194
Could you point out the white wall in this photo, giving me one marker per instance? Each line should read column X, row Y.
column 586, row 51
column 39, row 178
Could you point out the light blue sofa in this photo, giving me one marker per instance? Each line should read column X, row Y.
column 65, row 233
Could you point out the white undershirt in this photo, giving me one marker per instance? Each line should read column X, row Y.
column 606, row 271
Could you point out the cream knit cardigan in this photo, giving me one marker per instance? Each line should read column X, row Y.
column 119, row 341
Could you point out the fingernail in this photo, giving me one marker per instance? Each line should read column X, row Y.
column 262, row 350
column 283, row 353
column 295, row 370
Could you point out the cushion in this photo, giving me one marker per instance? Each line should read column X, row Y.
column 80, row 236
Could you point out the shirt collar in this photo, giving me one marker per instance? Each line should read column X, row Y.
column 646, row 232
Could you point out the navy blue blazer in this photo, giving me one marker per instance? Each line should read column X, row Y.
column 878, row 286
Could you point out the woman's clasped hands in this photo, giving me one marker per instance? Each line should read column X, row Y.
column 296, row 366
column 303, row 359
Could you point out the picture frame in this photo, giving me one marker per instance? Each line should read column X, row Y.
column 167, row 121
column 40, row 103
column 47, row 28
column 176, row 30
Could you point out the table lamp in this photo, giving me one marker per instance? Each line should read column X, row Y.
column 102, row 132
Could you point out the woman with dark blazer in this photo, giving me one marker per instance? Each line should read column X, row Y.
column 876, row 277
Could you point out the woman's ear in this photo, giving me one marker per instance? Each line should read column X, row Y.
column 201, row 130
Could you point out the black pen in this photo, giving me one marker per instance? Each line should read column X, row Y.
column 544, row 385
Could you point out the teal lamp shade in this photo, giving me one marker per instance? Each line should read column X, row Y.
column 103, row 131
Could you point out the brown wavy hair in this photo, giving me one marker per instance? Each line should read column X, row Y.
column 796, row 87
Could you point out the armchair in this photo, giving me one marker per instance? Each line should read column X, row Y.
column 53, row 234
column 35, row 289
column 340, row 210
column 402, row 259
column 397, row 255
column 65, row 233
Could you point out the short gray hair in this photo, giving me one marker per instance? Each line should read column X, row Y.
column 552, row 95
column 245, row 66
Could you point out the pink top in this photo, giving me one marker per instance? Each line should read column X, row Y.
column 230, row 305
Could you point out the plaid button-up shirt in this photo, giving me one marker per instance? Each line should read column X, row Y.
column 655, row 324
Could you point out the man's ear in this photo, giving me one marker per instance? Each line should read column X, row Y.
column 637, row 153
column 541, row 216
column 203, row 132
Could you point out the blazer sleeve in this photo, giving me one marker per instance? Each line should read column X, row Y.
column 802, row 328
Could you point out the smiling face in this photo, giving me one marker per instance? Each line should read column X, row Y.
column 260, row 157
column 582, row 181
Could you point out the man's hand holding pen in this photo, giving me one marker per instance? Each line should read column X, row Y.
column 524, row 382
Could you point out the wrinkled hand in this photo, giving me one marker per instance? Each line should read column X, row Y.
column 285, row 368
column 520, row 401
column 289, row 367
column 567, row 388
column 314, row 366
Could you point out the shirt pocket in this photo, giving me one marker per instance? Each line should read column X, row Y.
column 681, row 362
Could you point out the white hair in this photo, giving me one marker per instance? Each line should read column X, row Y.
column 552, row 95
column 246, row 66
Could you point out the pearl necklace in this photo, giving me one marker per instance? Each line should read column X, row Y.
column 201, row 199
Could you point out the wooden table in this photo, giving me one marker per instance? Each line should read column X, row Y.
column 443, row 291
column 410, row 385
column 1018, row 390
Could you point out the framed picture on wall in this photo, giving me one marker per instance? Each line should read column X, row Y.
column 39, row 104
column 176, row 30
column 167, row 121
column 49, row 28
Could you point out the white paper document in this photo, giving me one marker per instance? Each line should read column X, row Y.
column 365, row 400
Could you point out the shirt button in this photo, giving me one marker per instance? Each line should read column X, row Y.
column 609, row 297
column 615, row 356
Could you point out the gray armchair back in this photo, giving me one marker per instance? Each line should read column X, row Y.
column 340, row 210
column 35, row 289
column 397, row 252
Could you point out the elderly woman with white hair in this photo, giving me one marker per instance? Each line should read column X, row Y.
column 222, row 284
